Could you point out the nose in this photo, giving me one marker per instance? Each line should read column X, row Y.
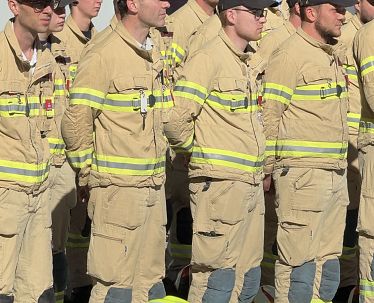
column 166, row 4
column 48, row 9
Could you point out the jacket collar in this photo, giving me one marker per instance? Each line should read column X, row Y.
column 356, row 22
column 75, row 29
column 243, row 56
column 200, row 13
column 326, row 47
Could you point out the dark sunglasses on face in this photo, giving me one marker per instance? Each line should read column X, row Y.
column 39, row 5
column 258, row 13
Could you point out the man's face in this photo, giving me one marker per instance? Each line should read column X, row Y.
column 249, row 23
column 329, row 20
column 89, row 8
column 153, row 12
column 34, row 16
column 366, row 10
column 57, row 20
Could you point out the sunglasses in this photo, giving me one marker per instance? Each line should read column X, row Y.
column 39, row 5
column 258, row 13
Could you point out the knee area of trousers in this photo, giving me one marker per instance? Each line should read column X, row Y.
column 220, row 285
column 59, row 271
column 157, row 291
column 330, row 279
column 118, row 295
column 6, row 299
column 301, row 283
column 48, row 296
column 251, row 285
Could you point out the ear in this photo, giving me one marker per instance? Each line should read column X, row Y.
column 357, row 6
column 311, row 13
column 133, row 6
column 231, row 16
column 14, row 7
column 297, row 9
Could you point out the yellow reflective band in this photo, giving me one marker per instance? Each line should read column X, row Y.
column 367, row 66
column 24, row 172
column 269, row 260
column 81, row 158
column 351, row 72
column 191, row 91
column 56, row 146
column 31, row 106
column 180, row 250
column 276, row 92
column 177, row 53
column 185, row 147
column 366, row 288
column 59, row 87
column 270, row 148
column 77, row 241
column 353, row 120
column 87, row 96
column 349, row 253
column 367, row 125
column 319, row 301
column 232, row 102
column 168, row 299
column 320, row 92
column 291, row 148
column 59, row 297
column 128, row 166
column 213, row 156
column 72, row 72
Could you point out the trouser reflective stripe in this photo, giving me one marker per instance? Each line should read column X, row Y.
column 77, row 241
column 349, row 253
column 367, row 288
column 180, row 250
column 269, row 260
column 59, row 297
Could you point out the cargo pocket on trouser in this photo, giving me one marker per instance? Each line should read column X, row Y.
column 118, row 214
column 366, row 214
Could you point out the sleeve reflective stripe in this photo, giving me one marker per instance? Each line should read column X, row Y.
column 291, row 148
column 56, row 146
column 185, row 147
column 128, row 166
column 349, row 253
column 351, row 72
column 367, row 125
column 190, row 90
column 17, row 106
column 177, row 53
column 120, row 102
column 59, row 87
column 353, row 120
column 81, row 158
column 232, row 102
column 319, row 301
column 320, row 92
column 367, row 66
column 72, row 72
column 227, row 158
column 366, row 288
column 276, row 92
column 270, row 148
column 180, row 250
column 87, row 96
column 77, row 241
column 24, row 172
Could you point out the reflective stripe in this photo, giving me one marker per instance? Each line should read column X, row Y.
column 349, row 253
column 180, row 250
column 367, row 66
column 77, row 241
column 72, row 72
column 277, row 92
column 367, row 126
column 24, row 172
column 319, row 301
column 320, row 92
column 269, row 260
column 120, row 102
column 128, row 166
column 366, row 288
column 353, row 120
column 168, row 299
column 177, row 53
column 351, row 72
column 212, row 156
column 190, row 90
column 232, row 102
column 56, row 146
column 81, row 158
column 290, row 148
column 17, row 106
column 185, row 147
column 59, row 297
column 270, row 148
column 59, row 87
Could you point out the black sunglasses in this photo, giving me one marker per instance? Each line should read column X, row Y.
column 39, row 5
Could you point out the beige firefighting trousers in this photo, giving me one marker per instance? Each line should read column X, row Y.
column 366, row 225
column 311, row 208
column 227, row 244
column 25, row 245
column 126, row 257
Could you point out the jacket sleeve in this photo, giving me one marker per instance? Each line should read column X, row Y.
column 279, row 85
column 190, row 93
column 86, row 99
column 363, row 49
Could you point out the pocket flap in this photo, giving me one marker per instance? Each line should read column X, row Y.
column 128, row 83
column 227, row 84
column 318, row 75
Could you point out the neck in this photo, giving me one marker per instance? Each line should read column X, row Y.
column 25, row 38
column 44, row 36
column 239, row 43
column 83, row 22
column 295, row 20
column 311, row 30
column 136, row 29
column 208, row 9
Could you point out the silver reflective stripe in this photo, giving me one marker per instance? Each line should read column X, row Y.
column 353, row 119
column 366, row 124
column 226, row 158
column 59, row 87
column 277, row 92
column 131, row 166
column 367, row 288
column 231, row 103
column 351, row 72
column 89, row 97
column 322, row 150
column 192, row 91
column 80, row 159
column 367, row 65
column 326, row 91
column 56, row 145
column 22, row 172
column 136, row 102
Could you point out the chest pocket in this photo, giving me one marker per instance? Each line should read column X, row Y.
column 12, row 99
column 230, row 94
column 126, row 94
column 320, row 84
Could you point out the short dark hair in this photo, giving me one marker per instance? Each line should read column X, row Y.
column 122, row 7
